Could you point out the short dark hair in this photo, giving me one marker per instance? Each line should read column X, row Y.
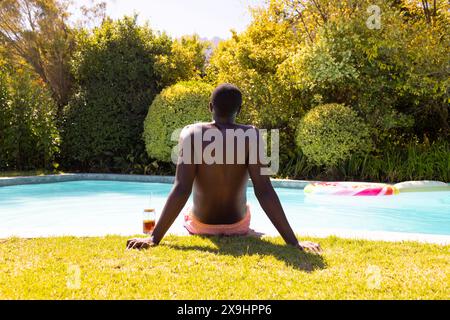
column 226, row 100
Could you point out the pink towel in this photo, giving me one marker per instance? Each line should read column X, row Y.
column 194, row 226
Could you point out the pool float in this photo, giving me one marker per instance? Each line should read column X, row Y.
column 422, row 186
column 350, row 189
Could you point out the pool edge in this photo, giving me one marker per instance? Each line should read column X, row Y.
column 13, row 181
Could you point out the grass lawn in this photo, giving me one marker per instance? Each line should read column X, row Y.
column 221, row 268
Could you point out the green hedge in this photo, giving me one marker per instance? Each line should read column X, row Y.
column 119, row 69
column 115, row 70
column 174, row 108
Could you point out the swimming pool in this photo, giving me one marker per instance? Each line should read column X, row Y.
column 84, row 208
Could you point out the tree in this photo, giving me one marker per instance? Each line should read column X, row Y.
column 186, row 60
column 394, row 77
column 119, row 68
column 38, row 31
column 298, row 54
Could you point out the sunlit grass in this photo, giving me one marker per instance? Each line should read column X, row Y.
column 221, row 268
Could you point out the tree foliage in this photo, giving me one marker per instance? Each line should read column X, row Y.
column 250, row 60
column 298, row 54
column 395, row 77
column 119, row 69
column 186, row 60
column 37, row 31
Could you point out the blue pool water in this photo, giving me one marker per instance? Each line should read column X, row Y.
column 111, row 207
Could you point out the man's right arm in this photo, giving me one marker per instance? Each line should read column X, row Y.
column 270, row 203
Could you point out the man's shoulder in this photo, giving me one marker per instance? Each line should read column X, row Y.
column 197, row 125
column 190, row 129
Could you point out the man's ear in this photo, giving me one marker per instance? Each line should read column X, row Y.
column 210, row 107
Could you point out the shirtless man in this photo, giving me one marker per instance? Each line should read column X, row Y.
column 219, row 189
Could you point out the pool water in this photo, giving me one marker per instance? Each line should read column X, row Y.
column 111, row 207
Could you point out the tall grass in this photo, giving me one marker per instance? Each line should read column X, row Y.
column 412, row 162
column 299, row 168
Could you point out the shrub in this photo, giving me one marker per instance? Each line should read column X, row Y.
column 174, row 108
column 29, row 138
column 330, row 133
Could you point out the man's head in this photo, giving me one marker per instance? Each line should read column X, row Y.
column 226, row 100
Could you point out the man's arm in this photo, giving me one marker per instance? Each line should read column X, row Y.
column 175, row 201
column 184, row 178
column 270, row 203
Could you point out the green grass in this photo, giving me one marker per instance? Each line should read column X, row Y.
column 221, row 268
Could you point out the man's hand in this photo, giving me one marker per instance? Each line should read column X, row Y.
column 140, row 243
column 310, row 246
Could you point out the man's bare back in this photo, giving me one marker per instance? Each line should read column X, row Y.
column 219, row 190
column 219, row 186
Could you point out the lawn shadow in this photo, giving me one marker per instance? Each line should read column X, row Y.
column 250, row 245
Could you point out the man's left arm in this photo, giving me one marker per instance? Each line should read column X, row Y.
column 184, row 179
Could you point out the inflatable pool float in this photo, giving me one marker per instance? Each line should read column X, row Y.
column 422, row 186
column 350, row 189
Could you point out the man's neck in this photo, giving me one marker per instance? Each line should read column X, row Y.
column 221, row 120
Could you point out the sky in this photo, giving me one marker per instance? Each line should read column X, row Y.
column 207, row 18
